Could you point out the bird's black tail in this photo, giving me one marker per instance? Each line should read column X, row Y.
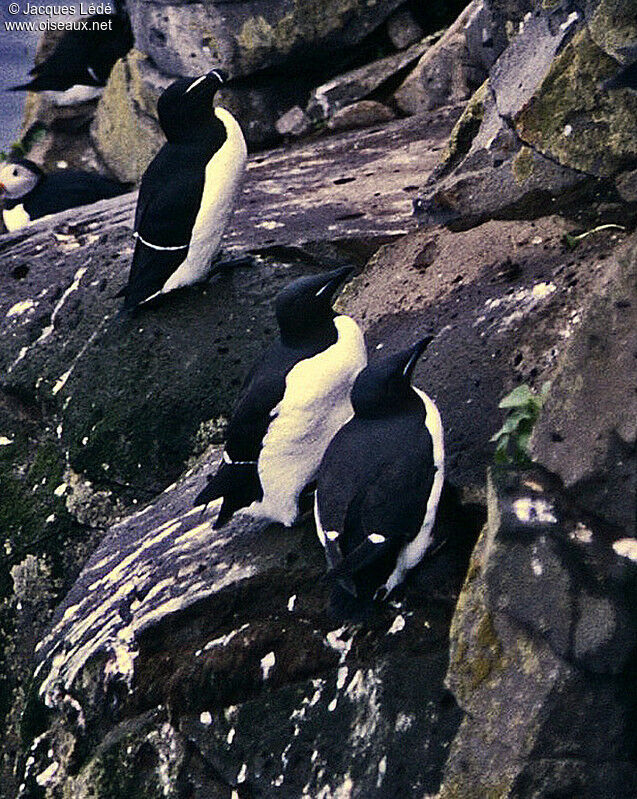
column 238, row 484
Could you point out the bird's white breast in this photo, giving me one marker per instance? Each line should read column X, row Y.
column 224, row 173
column 15, row 217
column 73, row 95
column 315, row 405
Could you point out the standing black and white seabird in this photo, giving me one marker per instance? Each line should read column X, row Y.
column 293, row 401
column 79, row 66
column 380, row 481
column 188, row 192
column 27, row 193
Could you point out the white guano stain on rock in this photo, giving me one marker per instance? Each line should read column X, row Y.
column 20, row 308
column 626, row 548
column 48, row 330
column 534, row 510
column 536, row 567
column 334, row 639
column 382, row 770
column 363, row 694
column 267, row 664
column 397, row 626
column 581, row 534
column 46, row 777
column 341, row 677
column 5, row 441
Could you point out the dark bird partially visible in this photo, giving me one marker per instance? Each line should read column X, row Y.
column 79, row 66
column 380, row 481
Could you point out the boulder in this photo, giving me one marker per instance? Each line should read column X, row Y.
column 185, row 38
column 543, row 644
column 441, row 76
column 587, row 433
column 362, row 114
column 358, row 84
column 538, row 131
column 209, row 652
column 403, row 28
column 294, row 122
column 125, row 131
column 502, row 302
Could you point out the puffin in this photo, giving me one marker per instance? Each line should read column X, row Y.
column 78, row 68
column 188, row 192
column 28, row 193
column 379, row 482
column 294, row 399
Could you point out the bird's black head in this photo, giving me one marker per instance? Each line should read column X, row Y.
column 185, row 107
column 385, row 384
column 304, row 307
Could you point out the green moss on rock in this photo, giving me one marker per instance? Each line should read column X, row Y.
column 465, row 129
column 613, row 26
column 125, row 131
column 522, row 166
column 573, row 120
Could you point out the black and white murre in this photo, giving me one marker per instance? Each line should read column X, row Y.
column 78, row 68
column 188, row 192
column 28, row 193
column 293, row 401
column 380, row 481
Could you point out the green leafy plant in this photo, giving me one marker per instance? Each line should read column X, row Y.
column 512, row 439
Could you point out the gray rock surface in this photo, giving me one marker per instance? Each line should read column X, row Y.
column 543, row 653
column 209, row 651
column 191, row 38
column 537, row 131
column 442, row 75
column 403, row 28
column 587, row 433
column 358, row 84
column 502, row 301
column 362, row 114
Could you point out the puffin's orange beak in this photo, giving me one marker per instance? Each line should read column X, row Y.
column 3, row 188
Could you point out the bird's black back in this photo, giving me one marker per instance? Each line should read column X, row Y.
column 78, row 50
column 61, row 190
column 376, row 477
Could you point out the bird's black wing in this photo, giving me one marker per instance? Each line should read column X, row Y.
column 61, row 190
column 84, row 57
column 170, row 195
column 262, row 391
column 167, row 206
column 373, row 490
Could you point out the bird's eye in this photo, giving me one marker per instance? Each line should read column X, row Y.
column 15, row 173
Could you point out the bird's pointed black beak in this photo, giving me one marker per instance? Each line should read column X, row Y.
column 332, row 281
column 414, row 354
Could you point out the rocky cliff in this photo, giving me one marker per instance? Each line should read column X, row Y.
column 143, row 652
